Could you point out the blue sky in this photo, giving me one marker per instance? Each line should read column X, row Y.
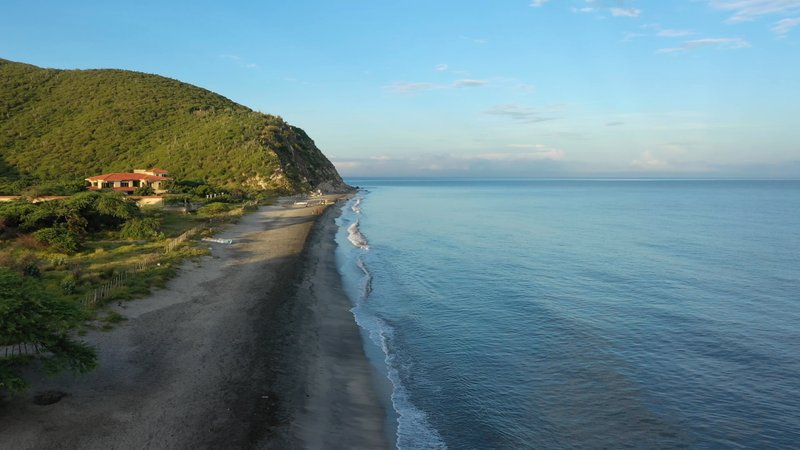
column 695, row 88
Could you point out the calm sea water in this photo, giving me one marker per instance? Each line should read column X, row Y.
column 581, row 314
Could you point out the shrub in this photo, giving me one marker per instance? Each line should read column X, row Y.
column 213, row 209
column 144, row 190
column 58, row 238
column 142, row 228
column 28, row 316
column 69, row 284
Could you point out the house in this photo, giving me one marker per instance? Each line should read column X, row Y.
column 129, row 182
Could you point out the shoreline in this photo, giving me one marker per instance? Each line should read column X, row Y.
column 213, row 360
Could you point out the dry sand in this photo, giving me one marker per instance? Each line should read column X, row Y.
column 254, row 347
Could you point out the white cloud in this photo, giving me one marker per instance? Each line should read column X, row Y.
column 539, row 161
column 544, row 154
column 649, row 162
column 526, row 146
column 675, row 33
column 783, row 26
column 721, row 43
column 238, row 60
column 519, row 113
column 441, row 67
column 747, row 10
column 469, row 83
column 626, row 12
column 538, row 3
column 592, row 6
column 404, row 87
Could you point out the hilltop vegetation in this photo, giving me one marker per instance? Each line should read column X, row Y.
column 64, row 125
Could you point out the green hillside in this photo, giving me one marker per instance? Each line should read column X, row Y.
column 69, row 124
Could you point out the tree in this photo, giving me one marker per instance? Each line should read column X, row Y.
column 144, row 190
column 35, row 328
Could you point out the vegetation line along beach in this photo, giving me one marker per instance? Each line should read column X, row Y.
column 218, row 357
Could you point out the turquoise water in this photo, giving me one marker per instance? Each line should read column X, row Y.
column 579, row 313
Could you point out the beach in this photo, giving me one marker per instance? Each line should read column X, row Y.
column 251, row 347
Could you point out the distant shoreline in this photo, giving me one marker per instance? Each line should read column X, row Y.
column 253, row 348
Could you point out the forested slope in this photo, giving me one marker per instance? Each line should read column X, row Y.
column 69, row 124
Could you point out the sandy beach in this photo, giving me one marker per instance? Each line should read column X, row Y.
column 251, row 347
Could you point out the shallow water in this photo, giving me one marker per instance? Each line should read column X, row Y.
column 581, row 313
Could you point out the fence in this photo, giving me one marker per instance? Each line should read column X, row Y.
column 178, row 240
column 107, row 288
column 19, row 349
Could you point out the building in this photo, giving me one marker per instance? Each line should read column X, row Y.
column 129, row 182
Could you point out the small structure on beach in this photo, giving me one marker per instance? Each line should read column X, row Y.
column 130, row 181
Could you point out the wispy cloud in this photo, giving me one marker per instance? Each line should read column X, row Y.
column 659, row 32
column 720, row 43
column 540, row 160
column 626, row 12
column 674, row 33
column 538, row 3
column 525, row 87
column 747, row 10
column 403, row 87
column 469, row 83
column 782, row 27
column 647, row 161
column 441, row 67
column 236, row 59
column 519, row 113
column 406, row 87
column 538, row 155
column 605, row 6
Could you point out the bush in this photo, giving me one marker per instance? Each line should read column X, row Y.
column 69, row 284
column 30, row 317
column 213, row 209
column 144, row 190
column 59, row 239
column 142, row 228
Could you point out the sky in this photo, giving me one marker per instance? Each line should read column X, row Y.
column 496, row 88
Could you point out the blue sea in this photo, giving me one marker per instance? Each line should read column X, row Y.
column 572, row 314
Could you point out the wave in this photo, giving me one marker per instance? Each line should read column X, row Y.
column 366, row 287
column 413, row 427
column 355, row 236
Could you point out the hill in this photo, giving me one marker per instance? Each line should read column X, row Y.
column 63, row 125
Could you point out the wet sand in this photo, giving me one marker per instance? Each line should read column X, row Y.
column 252, row 347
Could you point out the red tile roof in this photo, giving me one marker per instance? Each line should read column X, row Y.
column 156, row 170
column 119, row 176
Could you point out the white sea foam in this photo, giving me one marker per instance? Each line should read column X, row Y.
column 355, row 236
column 414, row 429
column 366, row 286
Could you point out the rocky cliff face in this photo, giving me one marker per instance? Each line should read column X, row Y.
column 301, row 158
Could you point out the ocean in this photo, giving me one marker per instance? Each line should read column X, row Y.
column 566, row 314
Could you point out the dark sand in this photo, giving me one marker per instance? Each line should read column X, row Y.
column 255, row 347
